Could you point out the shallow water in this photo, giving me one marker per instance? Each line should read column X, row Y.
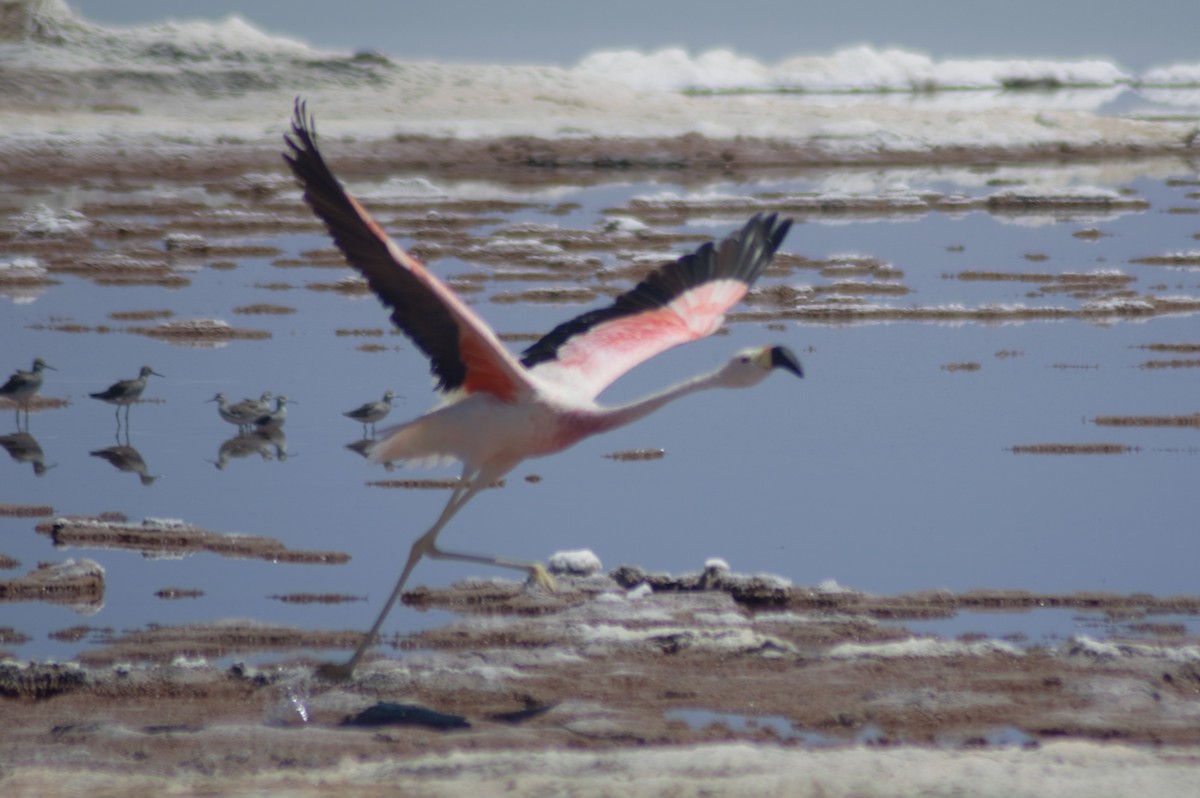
column 888, row 468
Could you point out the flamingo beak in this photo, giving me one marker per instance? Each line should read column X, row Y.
column 783, row 358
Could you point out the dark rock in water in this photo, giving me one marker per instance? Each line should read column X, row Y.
column 387, row 714
column 522, row 715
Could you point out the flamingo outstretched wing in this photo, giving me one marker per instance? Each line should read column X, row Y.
column 464, row 353
column 683, row 300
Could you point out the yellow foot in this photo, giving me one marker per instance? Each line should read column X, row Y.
column 539, row 576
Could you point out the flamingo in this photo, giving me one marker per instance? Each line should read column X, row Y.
column 500, row 409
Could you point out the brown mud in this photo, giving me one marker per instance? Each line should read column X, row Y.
column 164, row 536
column 608, row 663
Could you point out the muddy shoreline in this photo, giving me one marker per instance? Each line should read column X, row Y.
column 527, row 160
column 605, row 663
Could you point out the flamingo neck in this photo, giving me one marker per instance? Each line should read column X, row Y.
column 619, row 416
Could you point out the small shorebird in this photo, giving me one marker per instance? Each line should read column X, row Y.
column 274, row 419
column 23, row 385
column 244, row 413
column 125, row 392
column 262, row 404
column 371, row 412
column 501, row 408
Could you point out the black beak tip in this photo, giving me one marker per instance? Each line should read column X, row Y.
column 784, row 358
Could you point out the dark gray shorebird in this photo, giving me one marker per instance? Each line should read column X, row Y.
column 274, row 419
column 24, row 385
column 372, row 412
column 502, row 408
column 123, row 393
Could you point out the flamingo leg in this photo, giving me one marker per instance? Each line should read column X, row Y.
column 537, row 571
column 423, row 545
column 426, row 546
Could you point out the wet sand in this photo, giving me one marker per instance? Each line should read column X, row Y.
column 532, row 160
column 605, row 671
column 626, row 684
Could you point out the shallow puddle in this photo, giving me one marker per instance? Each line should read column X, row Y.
column 947, row 320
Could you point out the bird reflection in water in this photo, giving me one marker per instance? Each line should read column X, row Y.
column 362, row 447
column 269, row 444
column 124, row 457
column 24, row 448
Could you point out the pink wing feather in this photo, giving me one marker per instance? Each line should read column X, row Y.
column 680, row 302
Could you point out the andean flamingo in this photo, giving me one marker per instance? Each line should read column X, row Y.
column 499, row 408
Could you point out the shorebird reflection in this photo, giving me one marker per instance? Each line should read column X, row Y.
column 24, row 448
column 362, row 446
column 269, row 444
column 124, row 457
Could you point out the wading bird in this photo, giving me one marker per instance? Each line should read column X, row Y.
column 229, row 413
column 23, row 385
column 123, row 393
column 501, row 409
column 274, row 419
column 262, row 404
column 372, row 412
column 244, row 413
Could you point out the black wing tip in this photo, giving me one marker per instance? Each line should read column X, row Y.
column 302, row 138
column 771, row 227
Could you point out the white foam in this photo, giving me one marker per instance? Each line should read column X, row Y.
column 920, row 647
column 70, row 83
column 854, row 69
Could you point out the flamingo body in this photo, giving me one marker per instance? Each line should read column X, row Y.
column 501, row 409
